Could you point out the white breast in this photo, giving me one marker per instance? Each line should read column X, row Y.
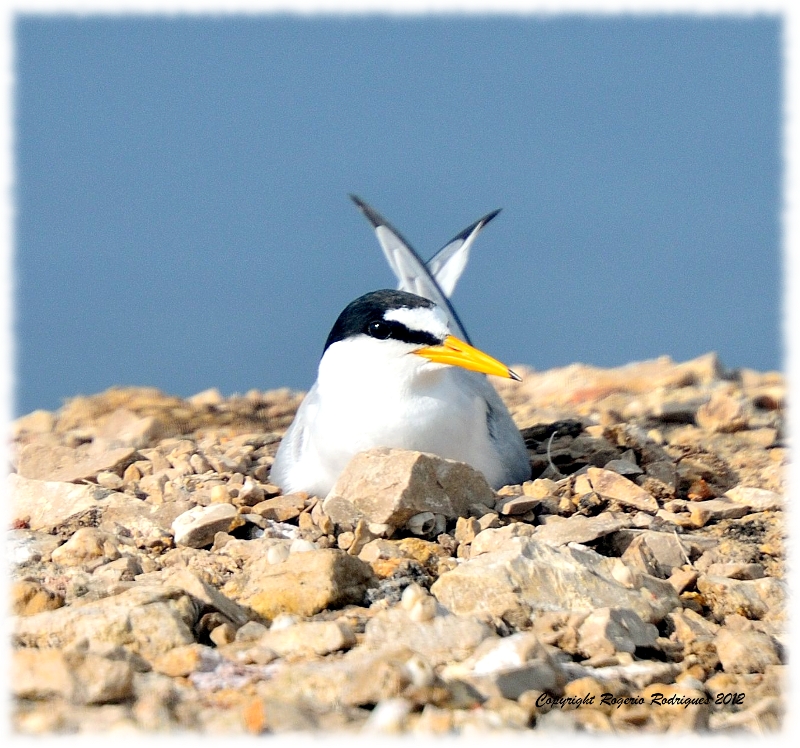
column 372, row 393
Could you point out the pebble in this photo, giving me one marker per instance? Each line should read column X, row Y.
column 703, row 512
column 438, row 639
column 306, row 638
column 580, row 529
column 657, row 553
column 722, row 413
column 88, row 547
column 301, row 545
column 620, row 489
column 736, row 570
column 67, row 465
column 29, row 598
column 605, row 632
column 281, row 508
column 517, row 505
column 196, row 527
column 755, row 599
column 80, row 678
column 755, row 499
column 305, row 583
column 388, row 716
column 277, row 554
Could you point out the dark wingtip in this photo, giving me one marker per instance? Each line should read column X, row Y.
column 479, row 224
column 488, row 217
column 372, row 215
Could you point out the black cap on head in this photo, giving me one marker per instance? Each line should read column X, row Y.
column 365, row 316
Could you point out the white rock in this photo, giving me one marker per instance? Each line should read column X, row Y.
column 197, row 526
column 277, row 553
column 757, row 499
column 388, row 716
column 300, row 545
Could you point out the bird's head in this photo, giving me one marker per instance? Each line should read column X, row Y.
column 406, row 329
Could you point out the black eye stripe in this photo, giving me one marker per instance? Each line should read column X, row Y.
column 384, row 329
column 357, row 316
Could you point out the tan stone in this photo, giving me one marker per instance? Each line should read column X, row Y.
column 756, row 499
column 78, row 677
column 309, row 637
column 751, row 598
column 210, row 596
column 29, row 598
column 197, row 526
column 305, row 583
column 390, row 486
column 722, row 413
column 37, row 422
column 466, row 529
column 46, row 504
column 676, row 707
column 87, row 547
column 438, row 640
column 147, row 620
column 184, row 660
column 614, row 486
column 580, row 529
column 123, row 428
column 745, row 651
column 527, row 575
column 605, row 632
column 281, row 508
column 703, row 512
column 49, row 463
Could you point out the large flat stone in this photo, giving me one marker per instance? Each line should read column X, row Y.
column 47, row 504
column 527, row 575
column 53, row 463
column 146, row 620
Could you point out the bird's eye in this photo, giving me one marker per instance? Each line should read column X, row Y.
column 379, row 330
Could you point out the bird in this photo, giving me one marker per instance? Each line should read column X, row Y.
column 393, row 374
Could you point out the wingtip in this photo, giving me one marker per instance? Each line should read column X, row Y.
column 356, row 199
column 475, row 227
column 488, row 217
column 372, row 215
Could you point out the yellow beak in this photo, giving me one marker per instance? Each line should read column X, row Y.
column 456, row 352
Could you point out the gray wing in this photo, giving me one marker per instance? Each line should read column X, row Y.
column 290, row 450
column 409, row 267
column 449, row 262
column 505, row 435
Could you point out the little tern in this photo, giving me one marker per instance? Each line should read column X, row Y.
column 394, row 374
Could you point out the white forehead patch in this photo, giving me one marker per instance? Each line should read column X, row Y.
column 424, row 319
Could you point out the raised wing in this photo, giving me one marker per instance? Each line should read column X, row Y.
column 449, row 262
column 409, row 267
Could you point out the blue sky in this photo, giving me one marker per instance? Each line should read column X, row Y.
column 181, row 185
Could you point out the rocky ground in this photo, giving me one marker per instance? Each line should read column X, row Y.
column 160, row 582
